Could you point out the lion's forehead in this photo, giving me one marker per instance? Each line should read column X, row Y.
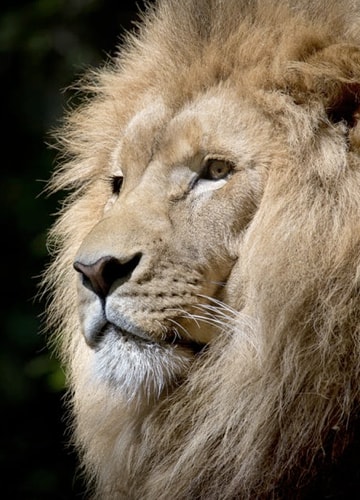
column 214, row 122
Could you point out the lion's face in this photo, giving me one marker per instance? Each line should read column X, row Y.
column 183, row 189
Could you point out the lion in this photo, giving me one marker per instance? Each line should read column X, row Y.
column 205, row 282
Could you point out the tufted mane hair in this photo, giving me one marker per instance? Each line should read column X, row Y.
column 276, row 398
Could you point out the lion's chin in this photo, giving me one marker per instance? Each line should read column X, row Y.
column 138, row 367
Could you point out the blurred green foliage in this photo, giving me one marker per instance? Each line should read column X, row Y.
column 44, row 46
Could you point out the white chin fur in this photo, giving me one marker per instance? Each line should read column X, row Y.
column 139, row 370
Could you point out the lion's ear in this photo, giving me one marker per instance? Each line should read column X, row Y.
column 331, row 75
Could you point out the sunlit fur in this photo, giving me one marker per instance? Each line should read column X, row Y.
column 276, row 393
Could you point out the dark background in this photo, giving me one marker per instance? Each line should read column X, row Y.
column 45, row 45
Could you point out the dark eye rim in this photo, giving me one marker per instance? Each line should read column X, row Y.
column 205, row 170
column 116, row 182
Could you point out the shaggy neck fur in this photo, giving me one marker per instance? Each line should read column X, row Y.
column 276, row 396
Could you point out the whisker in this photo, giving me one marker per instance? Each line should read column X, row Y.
column 182, row 313
column 216, row 314
column 177, row 325
column 218, row 304
column 208, row 320
column 217, row 311
column 162, row 328
column 218, row 283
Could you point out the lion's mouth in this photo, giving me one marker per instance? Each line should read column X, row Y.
column 139, row 337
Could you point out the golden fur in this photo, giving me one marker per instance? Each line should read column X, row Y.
column 261, row 266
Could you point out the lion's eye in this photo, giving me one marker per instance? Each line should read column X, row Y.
column 116, row 183
column 215, row 169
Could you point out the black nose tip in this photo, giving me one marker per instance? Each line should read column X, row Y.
column 101, row 275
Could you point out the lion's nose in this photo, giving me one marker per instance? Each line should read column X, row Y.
column 102, row 274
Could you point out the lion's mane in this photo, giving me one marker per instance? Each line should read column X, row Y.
column 275, row 400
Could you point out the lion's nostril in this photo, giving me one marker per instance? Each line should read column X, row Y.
column 101, row 275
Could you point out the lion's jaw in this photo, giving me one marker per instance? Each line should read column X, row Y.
column 171, row 233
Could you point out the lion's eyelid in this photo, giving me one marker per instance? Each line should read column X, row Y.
column 116, row 182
